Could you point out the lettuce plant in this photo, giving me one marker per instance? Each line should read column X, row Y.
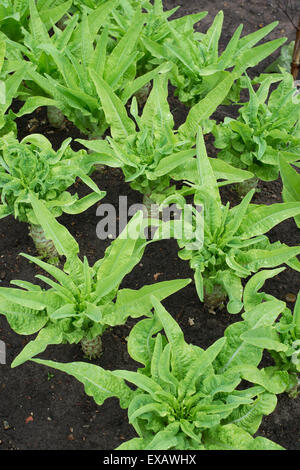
column 148, row 149
column 234, row 243
column 181, row 400
column 266, row 128
column 9, row 85
column 82, row 301
column 269, row 325
column 288, row 358
column 157, row 29
column 247, row 339
column 32, row 167
column 291, row 183
column 198, row 66
column 122, row 13
column 61, row 65
column 14, row 15
column 280, row 336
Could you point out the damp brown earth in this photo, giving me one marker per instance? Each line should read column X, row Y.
column 44, row 409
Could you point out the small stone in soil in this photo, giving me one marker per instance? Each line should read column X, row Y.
column 6, row 425
column 156, row 275
column 290, row 298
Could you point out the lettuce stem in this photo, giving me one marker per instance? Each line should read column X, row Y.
column 44, row 246
column 92, row 348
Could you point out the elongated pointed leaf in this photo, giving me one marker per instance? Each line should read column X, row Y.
column 132, row 87
column 98, row 383
column 51, row 16
column 251, row 57
column 169, row 163
column 207, row 106
column 141, row 381
column 251, row 39
column 237, row 219
column 65, row 244
column 57, row 273
column 141, row 341
column 182, row 353
column 130, row 243
column 84, row 203
column 263, row 218
column 50, row 334
column 97, row 18
column 115, row 112
column 251, row 296
column 257, row 259
column 33, row 300
column 37, row 27
column 138, row 302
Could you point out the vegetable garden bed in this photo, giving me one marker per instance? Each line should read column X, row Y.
column 43, row 408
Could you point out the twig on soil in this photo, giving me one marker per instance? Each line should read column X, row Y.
column 296, row 54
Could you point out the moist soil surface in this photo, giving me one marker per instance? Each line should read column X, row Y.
column 41, row 408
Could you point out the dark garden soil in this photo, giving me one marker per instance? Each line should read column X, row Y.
column 45, row 409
